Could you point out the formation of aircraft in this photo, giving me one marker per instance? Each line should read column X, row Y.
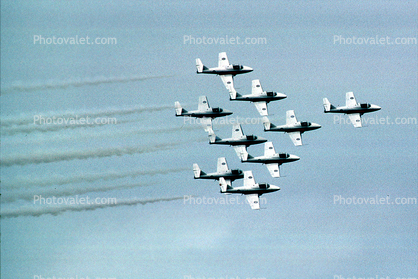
column 251, row 190
column 293, row 127
column 258, row 96
column 240, row 142
column 353, row 109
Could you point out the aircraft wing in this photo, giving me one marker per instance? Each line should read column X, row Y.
column 237, row 131
column 273, row 169
column 223, row 60
column 355, row 119
column 350, row 100
column 291, row 117
column 206, row 123
column 228, row 81
column 256, row 87
column 222, row 165
column 296, row 137
column 253, row 200
column 203, row 104
column 262, row 108
column 249, row 180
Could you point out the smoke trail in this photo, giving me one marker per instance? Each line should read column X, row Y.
column 94, row 113
column 40, row 157
column 77, row 82
column 30, row 181
column 55, row 210
column 66, row 191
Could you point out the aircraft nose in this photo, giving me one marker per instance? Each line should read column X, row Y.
column 294, row 157
column 376, row 107
column 249, row 69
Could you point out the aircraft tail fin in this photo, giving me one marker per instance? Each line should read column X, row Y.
column 267, row 124
column 225, row 185
column 199, row 66
column 244, row 156
column 197, row 171
column 179, row 109
column 212, row 136
column 233, row 94
column 327, row 105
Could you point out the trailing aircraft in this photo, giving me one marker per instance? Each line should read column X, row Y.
column 251, row 190
column 293, row 127
column 239, row 141
column 271, row 159
column 225, row 70
column 204, row 111
column 258, row 96
column 221, row 171
column 353, row 109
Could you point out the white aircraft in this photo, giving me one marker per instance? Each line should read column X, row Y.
column 293, row 127
column 271, row 159
column 225, row 70
column 222, row 171
column 204, row 111
column 251, row 190
column 259, row 97
column 353, row 109
column 239, row 141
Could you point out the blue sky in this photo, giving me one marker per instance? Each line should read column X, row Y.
column 148, row 156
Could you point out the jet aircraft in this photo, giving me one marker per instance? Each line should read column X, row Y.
column 271, row 159
column 293, row 127
column 204, row 111
column 239, row 141
column 225, row 70
column 259, row 97
column 353, row 109
column 251, row 190
column 221, row 171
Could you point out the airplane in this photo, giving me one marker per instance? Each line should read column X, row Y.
column 271, row 159
column 239, row 141
column 204, row 111
column 293, row 127
column 225, row 70
column 259, row 97
column 251, row 190
column 353, row 109
column 221, row 171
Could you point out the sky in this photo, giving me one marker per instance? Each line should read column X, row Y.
column 142, row 156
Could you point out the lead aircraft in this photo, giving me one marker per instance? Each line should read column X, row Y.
column 293, row 127
column 258, row 96
column 353, row 109
column 225, row 70
column 251, row 190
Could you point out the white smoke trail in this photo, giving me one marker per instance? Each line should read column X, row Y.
column 65, row 191
column 45, row 181
column 29, row 119
column 39, row 157
column 75, row 82
column 55, row 210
